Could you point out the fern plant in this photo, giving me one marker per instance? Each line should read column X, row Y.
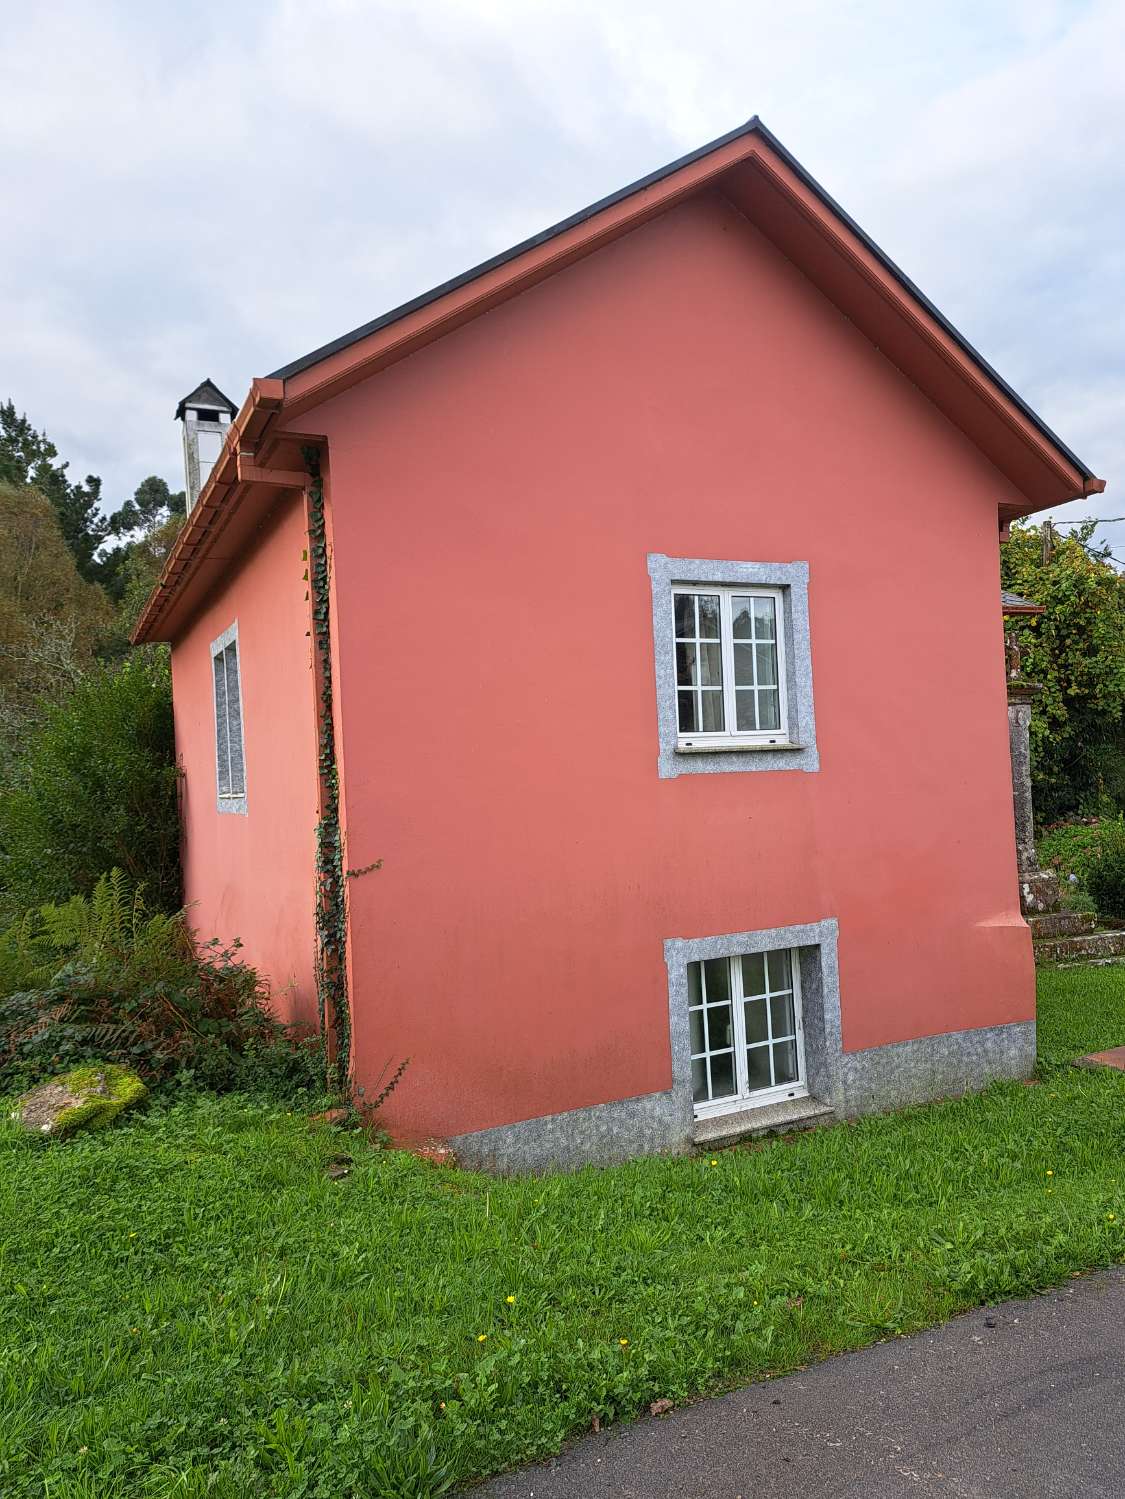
column 103, row 978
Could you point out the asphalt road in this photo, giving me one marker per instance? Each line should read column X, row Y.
column 1023, row 1399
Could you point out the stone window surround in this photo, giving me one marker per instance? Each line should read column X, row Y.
column 792, row 578
column 814, row 945
column 229, row 804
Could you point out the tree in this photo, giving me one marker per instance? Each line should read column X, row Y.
column 28, row 459
column 1076, row 651
column 51, row 621
column 141, row 566
column 95, row 789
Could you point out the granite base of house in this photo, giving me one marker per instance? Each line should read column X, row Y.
column 859, row 1082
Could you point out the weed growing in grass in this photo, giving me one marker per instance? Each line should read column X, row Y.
column 190, row 1306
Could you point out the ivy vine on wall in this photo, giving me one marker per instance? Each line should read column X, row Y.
column 331, row 899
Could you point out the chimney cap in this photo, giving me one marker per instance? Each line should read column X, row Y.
column 206, row 394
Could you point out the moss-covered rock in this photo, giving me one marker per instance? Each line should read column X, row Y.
column 84, row 1098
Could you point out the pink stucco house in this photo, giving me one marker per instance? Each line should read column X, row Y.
column 631, row 602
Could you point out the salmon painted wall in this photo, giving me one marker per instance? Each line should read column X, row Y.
column 251, row 876
column 684, row 391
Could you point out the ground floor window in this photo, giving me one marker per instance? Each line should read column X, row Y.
column 744, row 1014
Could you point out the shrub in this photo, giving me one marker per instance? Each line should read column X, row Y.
column 1105, row 874
column 1071, row 847
column 104, row 979
column 96, row 788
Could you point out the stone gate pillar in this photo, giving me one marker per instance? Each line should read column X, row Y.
column 1039, row 888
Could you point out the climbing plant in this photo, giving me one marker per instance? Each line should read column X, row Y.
column 331, row 900
column 1076, row 652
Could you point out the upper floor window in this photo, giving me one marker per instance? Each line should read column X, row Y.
column 730, row 665
column 230, row 759
column 733, row 665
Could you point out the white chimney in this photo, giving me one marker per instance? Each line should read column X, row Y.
column 206, row 414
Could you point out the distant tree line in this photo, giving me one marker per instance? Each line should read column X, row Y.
column 87, row 774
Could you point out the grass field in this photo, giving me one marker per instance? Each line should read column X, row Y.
column 190, row 1306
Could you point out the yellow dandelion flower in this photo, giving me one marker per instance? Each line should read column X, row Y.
column 624, row 1342
column 511, row 1300
column 714, row 1163
column 1050, row 1173
column 482, row 1337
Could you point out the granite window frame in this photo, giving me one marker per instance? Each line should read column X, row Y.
column 229, row 801
column 814, row 949
column 791, row 582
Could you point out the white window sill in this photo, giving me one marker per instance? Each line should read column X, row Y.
column 739, row 746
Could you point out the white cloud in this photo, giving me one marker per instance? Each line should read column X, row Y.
column 217, row 190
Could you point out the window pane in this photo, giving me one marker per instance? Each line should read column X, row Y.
column 685, row 666
column 685, row 616
column 722, row 1076
column 745, row 709
column 699, row 1081
column 755, row 1012
column 767, row 664
column 717, row 973
column 711, row 665
column 764, row 624
column 781, row 1015
column 234, row 722
column 713, row 719
column 687, row 720
column 744, row 665
column 754, row 973
column 781, row 972
column 769, row 710
column 694, row 984
column 785, row 1062
column 708, row 615
column 222, row 745
column 758, row 1067
column 697, row 1042
column 718, row 1027
column 740, row 618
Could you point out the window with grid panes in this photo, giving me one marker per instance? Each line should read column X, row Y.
column 230, row 766
column 730, row 665
column 745, row 1024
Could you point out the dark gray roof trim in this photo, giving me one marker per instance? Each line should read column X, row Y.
column 752, row 126
column 1016, row 601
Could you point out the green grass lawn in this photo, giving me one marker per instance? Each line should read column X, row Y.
column 190, row 1306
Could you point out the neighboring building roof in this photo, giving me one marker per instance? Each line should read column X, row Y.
column 1014, row 603
column 209, row 395
column 760, row 180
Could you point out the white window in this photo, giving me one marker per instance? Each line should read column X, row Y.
column 230, row 760
column 730, row 666
column 744, row 1015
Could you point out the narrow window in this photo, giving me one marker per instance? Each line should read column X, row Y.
column 746, row 1041
column 730, row 666
column 230, row 766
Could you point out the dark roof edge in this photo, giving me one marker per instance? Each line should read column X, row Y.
column 524, row 245
column 231, row 407
column 752, row 126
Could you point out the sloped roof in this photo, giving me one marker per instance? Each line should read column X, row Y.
column 208, row 394
column 762, row 181
column 753, row 126
column 1015, row 603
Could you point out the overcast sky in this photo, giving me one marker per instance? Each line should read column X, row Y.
column 215, row 189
